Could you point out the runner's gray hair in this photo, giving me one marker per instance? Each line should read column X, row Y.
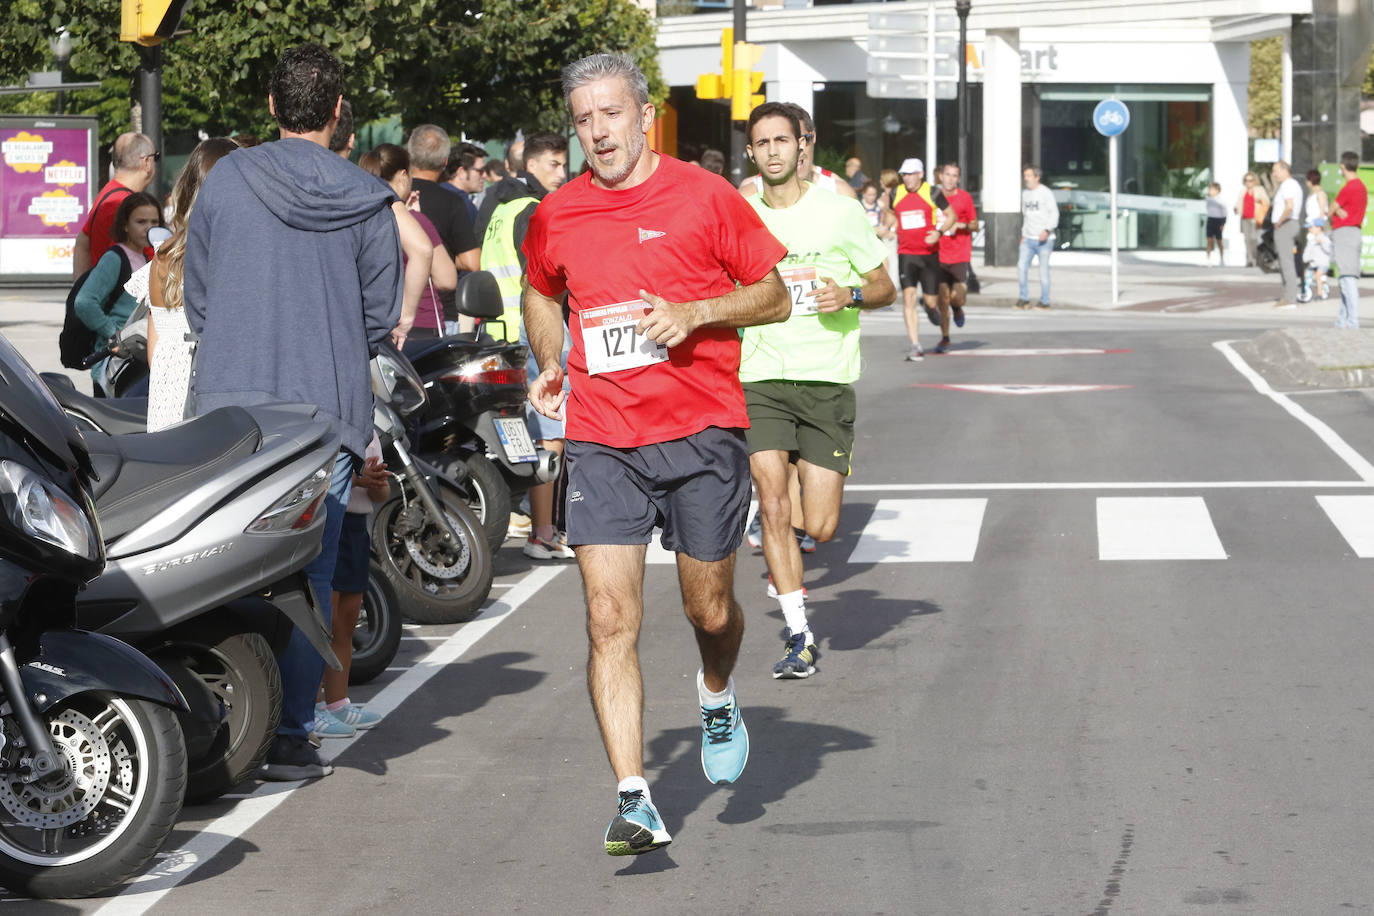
column 604, row 66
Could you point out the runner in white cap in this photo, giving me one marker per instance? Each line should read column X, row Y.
column 915, row 215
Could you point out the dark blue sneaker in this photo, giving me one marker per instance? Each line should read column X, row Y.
column 933, row 314
column 637, row 828
column 942, row 346
column 958, row 316
column 724, row 743
column 798, row 659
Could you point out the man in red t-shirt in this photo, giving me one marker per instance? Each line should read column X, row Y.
column 956, row 250
column 1347, row 221
column 649, row 252
column 134, row 162
column 914, row 213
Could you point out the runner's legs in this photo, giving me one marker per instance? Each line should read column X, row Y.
column 770, row 470
column 613, row 577
column 822, row 494
column 708, row 599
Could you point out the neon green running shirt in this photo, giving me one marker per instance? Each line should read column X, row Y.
column 827, row 236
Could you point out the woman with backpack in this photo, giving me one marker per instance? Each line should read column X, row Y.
column 102, row 303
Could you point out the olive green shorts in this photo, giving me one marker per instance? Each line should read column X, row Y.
column 813, row 421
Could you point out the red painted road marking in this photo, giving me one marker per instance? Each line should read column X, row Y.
column 1020, row 389
column 1031, row 351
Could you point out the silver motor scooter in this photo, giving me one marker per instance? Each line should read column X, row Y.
column 207, row 527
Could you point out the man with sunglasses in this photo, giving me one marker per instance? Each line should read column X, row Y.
column 135, row 162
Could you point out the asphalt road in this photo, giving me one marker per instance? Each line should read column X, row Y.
column 1083, row 651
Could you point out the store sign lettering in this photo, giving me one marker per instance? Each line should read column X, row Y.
column 1034, row 59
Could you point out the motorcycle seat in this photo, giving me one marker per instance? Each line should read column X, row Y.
column 112, row 415
column 144, row 474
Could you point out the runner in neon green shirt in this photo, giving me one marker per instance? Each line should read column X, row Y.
column 797, row 375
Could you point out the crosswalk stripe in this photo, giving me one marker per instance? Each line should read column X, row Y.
column 921, row 531
column 1353, row 517
column 1156, row 528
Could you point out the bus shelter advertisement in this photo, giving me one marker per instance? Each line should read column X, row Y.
column 47, row 172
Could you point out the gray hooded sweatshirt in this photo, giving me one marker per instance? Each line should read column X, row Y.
column 292, row 279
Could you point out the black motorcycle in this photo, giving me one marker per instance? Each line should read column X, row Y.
column 92, row 762
column 473, row 427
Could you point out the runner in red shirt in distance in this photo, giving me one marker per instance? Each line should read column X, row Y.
column 956, row 250
column 649, row 252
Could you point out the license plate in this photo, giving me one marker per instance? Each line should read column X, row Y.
column 515, row 439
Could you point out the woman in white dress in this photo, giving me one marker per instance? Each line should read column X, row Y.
column 170, row 354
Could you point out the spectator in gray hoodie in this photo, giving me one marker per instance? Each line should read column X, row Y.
column 292, row 280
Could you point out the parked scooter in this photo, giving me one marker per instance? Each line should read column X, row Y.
column 426, row 539
column 92, row 764
column 207, row 527
column 473, row 428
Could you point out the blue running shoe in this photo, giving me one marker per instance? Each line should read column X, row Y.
column 933, row 314
column 754, row 533
column 799, row 658
column 637, row 828
column 958, row 316
column 724, row 743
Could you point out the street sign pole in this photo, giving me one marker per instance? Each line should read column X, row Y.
column 930, row 92
column 737, row 138
column 1111, row 118
column 962, row 8
column 1111, row 177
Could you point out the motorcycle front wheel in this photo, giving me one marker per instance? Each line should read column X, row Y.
column 105, row 812
column 487, row 493
column 436, row 581
column 377, row 636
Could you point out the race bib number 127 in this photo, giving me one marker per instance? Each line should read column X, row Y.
column 611, row 339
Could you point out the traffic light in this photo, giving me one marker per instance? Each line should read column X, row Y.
column 719, row 85
column 746, row 81
column 148, row 22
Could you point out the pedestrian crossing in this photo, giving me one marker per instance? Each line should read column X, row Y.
column 1128, row 528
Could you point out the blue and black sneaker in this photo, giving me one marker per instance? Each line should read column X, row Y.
column 958, row 316
column 724, row 743
column 799, row 656
column 637, row 827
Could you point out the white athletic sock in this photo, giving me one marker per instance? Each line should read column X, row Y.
column 711, row 700
column 794, row 610
column 632, row 783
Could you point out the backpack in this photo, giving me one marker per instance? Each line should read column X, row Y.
column 76, row 342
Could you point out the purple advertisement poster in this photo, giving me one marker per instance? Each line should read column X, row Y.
column 45, row 192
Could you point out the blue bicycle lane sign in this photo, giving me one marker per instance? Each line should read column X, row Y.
column 1111, row 117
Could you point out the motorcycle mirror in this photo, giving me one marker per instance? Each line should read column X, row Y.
column 478, row 296
column 157, row 235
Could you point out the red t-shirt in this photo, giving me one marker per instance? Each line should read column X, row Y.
column 684, row 234
column 1353, row 198
column 916, row 216
column 101, row 219
column 958, row 248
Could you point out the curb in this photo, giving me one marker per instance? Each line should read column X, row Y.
column 1279, row 350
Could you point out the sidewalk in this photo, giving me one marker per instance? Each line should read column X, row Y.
column 1082, row 280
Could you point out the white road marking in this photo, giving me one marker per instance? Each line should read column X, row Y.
column 1018, row 389
column 1353, row 517
column 140, row 896
column 921, row 531
column 1032, row 351
column 1357, row 462
column 1156, row 528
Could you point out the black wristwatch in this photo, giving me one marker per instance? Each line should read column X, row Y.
column 856, row 296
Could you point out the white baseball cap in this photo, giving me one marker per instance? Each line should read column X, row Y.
column 911, row 165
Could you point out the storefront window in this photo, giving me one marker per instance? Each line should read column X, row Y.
column 1165, row 158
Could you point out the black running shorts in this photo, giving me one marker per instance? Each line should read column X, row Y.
column 1214, row 226
column 697, row 489
column 921, row 270
column 351, row 565
column 951, row 274
column 813, row 421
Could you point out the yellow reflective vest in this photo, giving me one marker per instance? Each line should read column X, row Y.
column 502, row 260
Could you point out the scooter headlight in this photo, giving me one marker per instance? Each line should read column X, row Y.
column 43, row 511
column 397, row 384
column 299, row 507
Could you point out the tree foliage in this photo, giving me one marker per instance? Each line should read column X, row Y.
column 1266, row 85
column 485, row 67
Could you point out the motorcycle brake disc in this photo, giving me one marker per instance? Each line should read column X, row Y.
column 70, row 794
